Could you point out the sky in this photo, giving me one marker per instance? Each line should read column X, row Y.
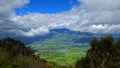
column 47, row 6
column 36, row 17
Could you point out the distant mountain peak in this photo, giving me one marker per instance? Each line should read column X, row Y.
column 61, row 30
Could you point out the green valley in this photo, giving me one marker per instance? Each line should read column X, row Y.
column 62, row 55
column 60, row 49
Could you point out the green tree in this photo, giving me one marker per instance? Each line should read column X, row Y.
column 104, row 53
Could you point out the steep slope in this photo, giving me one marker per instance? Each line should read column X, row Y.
column 14, row 54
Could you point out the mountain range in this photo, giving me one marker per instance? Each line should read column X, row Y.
column 64, row 36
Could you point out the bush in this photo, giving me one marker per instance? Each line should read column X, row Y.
column 104, row 53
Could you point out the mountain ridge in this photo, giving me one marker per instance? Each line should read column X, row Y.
column 62, row 32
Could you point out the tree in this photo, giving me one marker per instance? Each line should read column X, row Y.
column 104, row 53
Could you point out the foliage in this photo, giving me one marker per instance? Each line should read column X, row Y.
column 104, row 53
column 14, row 54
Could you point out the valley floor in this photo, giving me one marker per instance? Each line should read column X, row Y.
column 62, row 55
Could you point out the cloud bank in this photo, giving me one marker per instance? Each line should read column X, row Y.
column 96, row 16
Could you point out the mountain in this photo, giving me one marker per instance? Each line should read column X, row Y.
column 62, row 34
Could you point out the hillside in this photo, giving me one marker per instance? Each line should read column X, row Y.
column 14, row 54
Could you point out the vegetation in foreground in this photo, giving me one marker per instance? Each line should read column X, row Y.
column 14, row 54
column 104, row 53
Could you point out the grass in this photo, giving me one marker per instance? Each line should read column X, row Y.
column 64, row 58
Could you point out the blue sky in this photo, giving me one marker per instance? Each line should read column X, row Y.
column 47, row 6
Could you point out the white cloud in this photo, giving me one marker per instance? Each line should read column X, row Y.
column 7, row 26
column 100, row 4
column 97, row 16
column 7, row 7
column 99, row 26
column 37, row 31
